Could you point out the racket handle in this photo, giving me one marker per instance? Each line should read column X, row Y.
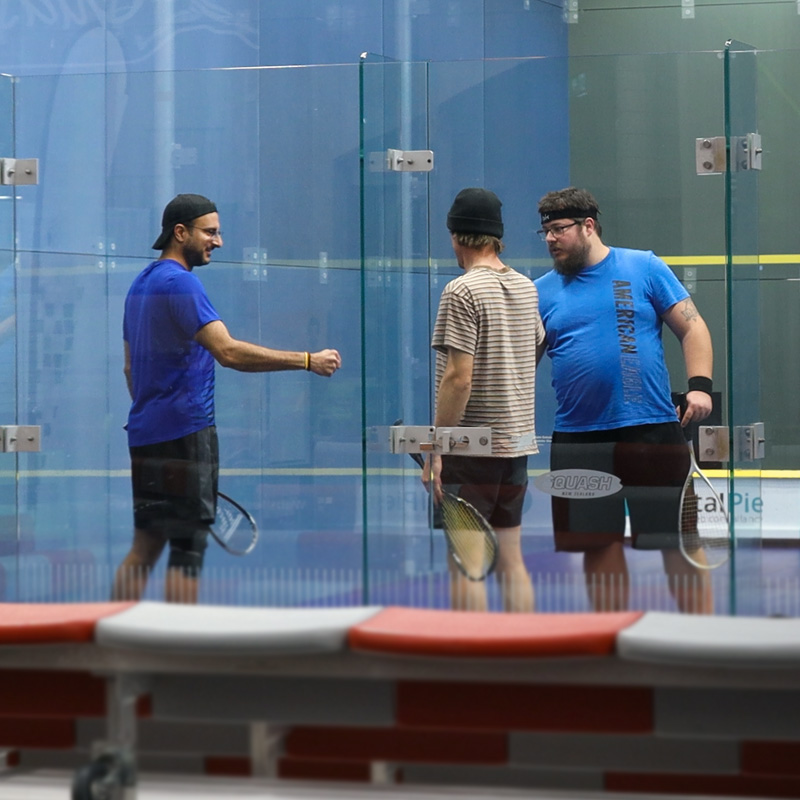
column 690, row 430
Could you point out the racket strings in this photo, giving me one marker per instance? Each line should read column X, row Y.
column 705, row 535
column 228, row 522
column 689, row 514
column 233, row 527
column 471, row 540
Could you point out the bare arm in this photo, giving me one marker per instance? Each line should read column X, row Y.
column 127, row 369
column 451, row 401
column 247, row 357
column 455, row 388
column 685, row 322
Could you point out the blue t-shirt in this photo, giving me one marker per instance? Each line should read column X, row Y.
column 173, row 375
column 603, row 332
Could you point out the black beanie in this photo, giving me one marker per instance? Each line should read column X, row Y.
column 476, row 211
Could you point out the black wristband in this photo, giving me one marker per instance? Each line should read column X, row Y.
column 700, row 384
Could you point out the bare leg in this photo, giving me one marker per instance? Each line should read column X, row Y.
column 607, row 583
column 132, row 574
column 515, row 582
column 465, row 595
column 180, row 587
column 689, row 585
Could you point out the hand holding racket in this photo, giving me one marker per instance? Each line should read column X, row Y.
column 471, row 540
column 705, row 538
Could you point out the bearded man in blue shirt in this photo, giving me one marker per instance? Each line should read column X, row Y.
column 603, row 310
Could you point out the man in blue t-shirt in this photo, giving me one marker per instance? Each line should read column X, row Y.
column 603, row 309
column 173, row 336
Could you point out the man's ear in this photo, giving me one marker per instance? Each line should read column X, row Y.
column 180, row 232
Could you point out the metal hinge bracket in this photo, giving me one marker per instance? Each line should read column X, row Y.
column 713, row 443
column 570, row 12
column 428, row 439
column 20, row 438
column 19, row 171
column 711, row 154
column 747, row 152
column 409, row 160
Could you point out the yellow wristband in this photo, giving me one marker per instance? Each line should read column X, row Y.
column 307, row 361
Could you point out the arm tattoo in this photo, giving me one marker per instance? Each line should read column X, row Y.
column 689, row 310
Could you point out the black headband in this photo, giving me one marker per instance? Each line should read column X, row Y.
column 568, row 213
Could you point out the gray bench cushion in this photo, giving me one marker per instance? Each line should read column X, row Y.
column 230, row 630
column 725, row 642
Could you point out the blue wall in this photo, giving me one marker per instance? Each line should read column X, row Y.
column 124, row 107
column 46, row 37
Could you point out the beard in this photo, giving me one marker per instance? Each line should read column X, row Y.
column 573, row 261
column 196, row 257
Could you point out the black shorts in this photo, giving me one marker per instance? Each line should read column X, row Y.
column 496, row 486
column 651, row 461
column 175, row 488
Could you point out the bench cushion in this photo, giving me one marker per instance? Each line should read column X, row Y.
column 231, row 630
column 48, row 623
column 428, row 632
column 714, row 641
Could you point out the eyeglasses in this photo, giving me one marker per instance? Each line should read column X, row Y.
column 213, row 233
column 556, row 230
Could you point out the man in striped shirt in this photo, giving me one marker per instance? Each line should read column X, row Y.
column 488, row 337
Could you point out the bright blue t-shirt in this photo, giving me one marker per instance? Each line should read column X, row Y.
column 173, row 375
column 603, row 332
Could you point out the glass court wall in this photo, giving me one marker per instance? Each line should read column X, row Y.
column 287, row 276
column 324, row 247
column 654, row 194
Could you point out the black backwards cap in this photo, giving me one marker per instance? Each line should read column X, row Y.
column 183, row 208
column 568, row 213
column 476, row 211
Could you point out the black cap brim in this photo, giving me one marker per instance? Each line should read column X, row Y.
column 161, row 242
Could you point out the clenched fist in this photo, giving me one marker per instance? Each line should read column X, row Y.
column 325, row 362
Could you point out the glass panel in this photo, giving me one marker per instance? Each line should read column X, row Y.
column 6, row 151
column 779, row 289
column 9, row 520
column 520, row 162
column 642, row 171
column 395, row 328
column 287, row 276
column 61, row 120
column 744, row 273
column 67, row 496
column 344, row 521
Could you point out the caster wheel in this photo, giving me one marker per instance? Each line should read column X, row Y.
column 93, row 781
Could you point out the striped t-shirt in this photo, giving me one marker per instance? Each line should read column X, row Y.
column 494, row 317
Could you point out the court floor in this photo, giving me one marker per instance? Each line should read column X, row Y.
column 52, row 785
